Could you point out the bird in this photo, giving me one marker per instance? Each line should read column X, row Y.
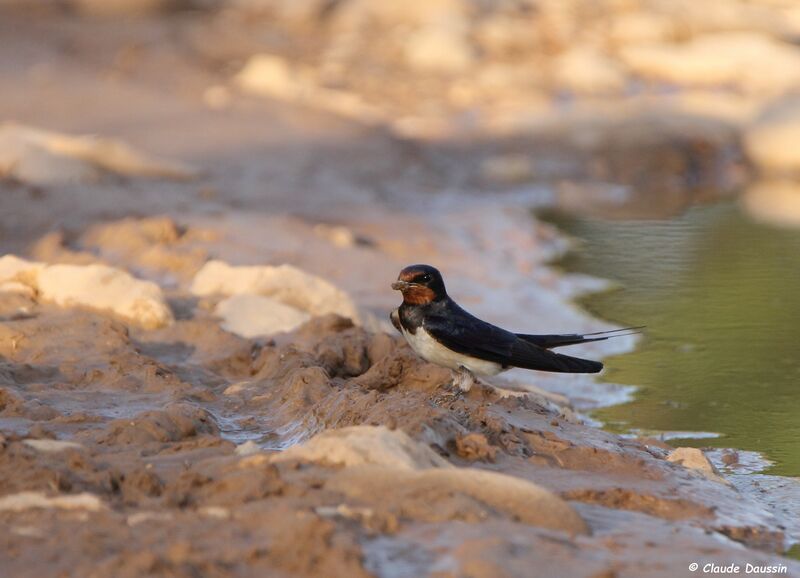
column 441, row 332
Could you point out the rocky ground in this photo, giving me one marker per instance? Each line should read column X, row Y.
column 196, row 374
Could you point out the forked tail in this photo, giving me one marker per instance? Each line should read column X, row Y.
column 551, row 341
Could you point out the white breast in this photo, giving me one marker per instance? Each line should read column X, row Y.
column 431, row 350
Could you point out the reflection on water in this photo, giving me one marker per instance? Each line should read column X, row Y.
column 721, row 298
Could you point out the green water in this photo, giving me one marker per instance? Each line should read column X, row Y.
column 720, row 296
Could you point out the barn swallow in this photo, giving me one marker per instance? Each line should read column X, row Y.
column 441, row 332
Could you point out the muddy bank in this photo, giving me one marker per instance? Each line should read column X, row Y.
column 186, row 448
column 151, row 415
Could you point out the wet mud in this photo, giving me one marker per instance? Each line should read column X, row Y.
column 157, row 427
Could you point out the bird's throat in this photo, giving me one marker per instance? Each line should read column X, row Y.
column 418, row 295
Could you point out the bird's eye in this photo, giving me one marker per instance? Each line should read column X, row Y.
column 426, row 278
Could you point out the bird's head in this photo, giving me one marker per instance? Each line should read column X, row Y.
column 420, row 285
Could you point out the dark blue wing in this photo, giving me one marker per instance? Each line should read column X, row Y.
column 468, row 335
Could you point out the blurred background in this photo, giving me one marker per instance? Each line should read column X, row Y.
column 662, row 135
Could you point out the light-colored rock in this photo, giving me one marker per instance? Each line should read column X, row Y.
column 775, row 202
column 517, row 498
column 640, row 27
column 217, row 512
column 338, row 235
column 52, row 446
column 95, row 286
column 41, row 157
column 142, row 517
column 695, row 459
column 18, row 270
column 248, row 448
column 545, row 398
column 790, row 20
column 735, row 108
column 271, row 75
column 692, row 18
column 691, row 458
column 105, row 288
column 772, row 141
column 360, row 445
column 284, row 283
column 504, row 35
column 345, row 511
column 585, row 70
column 425, row 127
column 239, row 387
column 751, row 61
column 17, row 287
column 156, row 246
column 28, row 500
column 439, row 48
column 431, row 35
column 255, row 315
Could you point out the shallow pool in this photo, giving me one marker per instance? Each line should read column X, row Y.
column 720, row 295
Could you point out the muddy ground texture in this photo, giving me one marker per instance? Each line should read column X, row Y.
column 185, row 449
column 147, row 477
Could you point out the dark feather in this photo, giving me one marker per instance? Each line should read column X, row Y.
column 468, row 335
column 550, row 341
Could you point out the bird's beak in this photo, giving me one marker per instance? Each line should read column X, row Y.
column 401, row 285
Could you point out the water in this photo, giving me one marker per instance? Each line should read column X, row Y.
column 720, row 295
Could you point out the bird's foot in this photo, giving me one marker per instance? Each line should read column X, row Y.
column 464, row 379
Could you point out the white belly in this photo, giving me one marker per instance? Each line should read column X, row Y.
column 431, row 350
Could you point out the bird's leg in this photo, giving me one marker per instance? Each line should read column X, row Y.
column 463, row 378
